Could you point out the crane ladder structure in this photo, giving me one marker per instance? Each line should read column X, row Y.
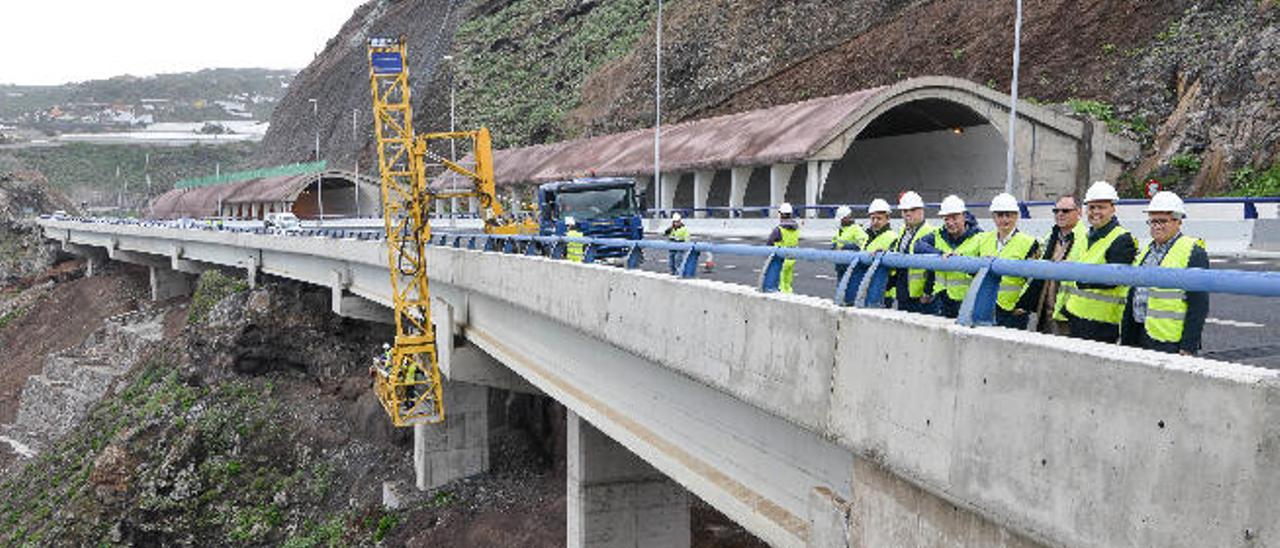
column 408, row 385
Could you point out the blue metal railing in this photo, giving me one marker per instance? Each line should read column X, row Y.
column 1249, row 208
column 865, row 282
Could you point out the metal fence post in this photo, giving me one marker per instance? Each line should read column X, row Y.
column 979, row 307
column 771, row 274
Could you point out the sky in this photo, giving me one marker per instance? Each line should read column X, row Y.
column 57, row 41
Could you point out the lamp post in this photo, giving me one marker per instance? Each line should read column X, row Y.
column 355, row 142
column 315, row 117
column 1010, row 167
column 453, row 146
column 657, row 116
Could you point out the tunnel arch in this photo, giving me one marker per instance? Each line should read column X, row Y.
column 932, row 145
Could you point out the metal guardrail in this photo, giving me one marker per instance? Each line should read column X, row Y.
column 865, row 282
column 1249, row 208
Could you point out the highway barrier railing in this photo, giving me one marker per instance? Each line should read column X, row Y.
column 1249, row 208
column 865, row 282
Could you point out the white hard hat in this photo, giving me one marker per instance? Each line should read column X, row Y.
column 570, row 221
column 843, row 211
column 1165, row 201
column 952, row 204
column 910, row 200
column 1101, row 191
column 880, row 206
column 386, row 346
column 785, row 209
column 676, row 217
column 1004, row 202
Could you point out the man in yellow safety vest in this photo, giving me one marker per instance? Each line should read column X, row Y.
column 1007, row 242
column 786, row 234
column 849, row 236
column 910, row 288
column 958, row 237
column 1094, row 311
column 573, row 251
column 1167, row 320
column 677, row 232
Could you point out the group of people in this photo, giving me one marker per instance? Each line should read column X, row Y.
column 1168, row 320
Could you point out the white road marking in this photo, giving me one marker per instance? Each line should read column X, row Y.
column 729, row 266
column 1232, row 323
column 1255, row 262
column 823, row 277
column 755, row 270
column 1219, row 260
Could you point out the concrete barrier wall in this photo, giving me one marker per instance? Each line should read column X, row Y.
column 1062, row 441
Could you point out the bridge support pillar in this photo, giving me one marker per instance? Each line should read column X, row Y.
column 701, row 188
column 95, row 258
column 815, row 179
column 167, row 284
column 458, row 447
column 738, row 179
column 670, row 182
column 779, row 177
column 617, row 499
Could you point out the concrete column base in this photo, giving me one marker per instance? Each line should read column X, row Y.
column 167, row 284
column 615, row 499
column 458, row 447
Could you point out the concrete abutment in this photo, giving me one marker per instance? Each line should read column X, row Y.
column 615, row 499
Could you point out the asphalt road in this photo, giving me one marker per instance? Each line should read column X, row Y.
column 1240, row 329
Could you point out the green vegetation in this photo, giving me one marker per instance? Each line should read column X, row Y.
column 12, row 316
column 228, row 472
column 1108, row 48
column 188, row 93
column 1248, row 181
column 1186, row 163
column 1106, row 113
column 522, row 66
column 212, row 287
column 93, row 167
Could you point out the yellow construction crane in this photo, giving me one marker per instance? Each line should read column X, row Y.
column 408, row 384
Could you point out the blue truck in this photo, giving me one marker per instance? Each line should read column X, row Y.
column 604, row 207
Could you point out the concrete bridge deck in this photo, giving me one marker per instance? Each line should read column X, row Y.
column 808, row 423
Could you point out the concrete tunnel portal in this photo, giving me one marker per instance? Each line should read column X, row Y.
column 935, row 134
column 934, row 146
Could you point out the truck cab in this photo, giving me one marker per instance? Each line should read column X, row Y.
column 604, row 207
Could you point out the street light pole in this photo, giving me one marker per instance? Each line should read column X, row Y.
column 355, row 141
column 657, row 117
column 1012, row 137
column 453, row 145
column 315, row 119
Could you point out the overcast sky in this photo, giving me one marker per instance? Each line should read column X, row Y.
column 58, row 41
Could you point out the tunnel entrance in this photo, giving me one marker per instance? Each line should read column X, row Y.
column 934, row 146
column 340, row 201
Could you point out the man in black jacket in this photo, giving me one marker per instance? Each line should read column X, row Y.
column 1167, row 320
column 1094, row 311
column 1045, row 296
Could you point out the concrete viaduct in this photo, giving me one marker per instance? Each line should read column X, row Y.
column 937, row 135
column 808, row 423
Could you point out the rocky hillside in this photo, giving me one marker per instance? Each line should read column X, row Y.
column 1194, row 80
column 23, row 249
